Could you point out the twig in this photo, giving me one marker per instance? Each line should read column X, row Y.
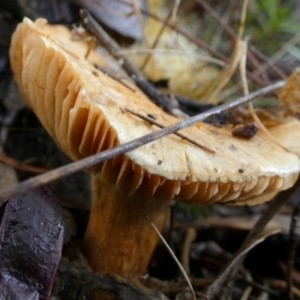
column 255, row 117
column 235, row 262
column 279, row 54
column 256, row 65
column 191, row 55
column 247, row 292
column 275, row 205
column 195, row 41
column 173, row 256
column 232, row 34
column 215, row 288
column 237, row 55
column 189, row 236
column 138, row 13
column 225, row 18
column 115, row 76
column 20, row 166
column 259, row 287
column 113, row 48
column 183, row 136
column 293, row 243
column 121, row 149
column 267, row 61
column 169, row 17
column 217, row 18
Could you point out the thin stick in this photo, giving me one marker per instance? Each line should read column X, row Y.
column 242, row 20
column 190, row 55
column 189, row 236
column 170, row 15
column 237, row 55
column 256, row 65
column 278, row 55
column 20, row 165
column 173, row 256
column 141, row 21
column 275, row 205
column 183, row 136
column 113, row 48
column 195, row 41
column 228, row 29
column 214, row 289
column 121, row 149
column 253, row 113
column 267, row 61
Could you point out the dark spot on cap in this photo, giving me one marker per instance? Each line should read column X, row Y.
column 241, row 170
column 95, row 73
column 151, row 116
column 247, row 131
column 159, row 162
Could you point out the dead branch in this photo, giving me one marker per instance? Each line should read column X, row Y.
column 113, row 48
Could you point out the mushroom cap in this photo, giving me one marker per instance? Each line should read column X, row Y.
column 84, row 110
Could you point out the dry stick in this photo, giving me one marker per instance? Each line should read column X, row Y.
column 275, row 205
column 231, row 33
column 268, row 62
column 231, row 267
column 189, row 236
column 259, row 287
column 196, row 41
column 215, row 288
column 154, row 44
column 121, row 149
column 254, row 115
column 237, row 55
column 256, row 65
column 233, row 264
column 20, row 165
column 283, row 50
column 173, row 256
column 248, row 290
column 138, row 13
column 183, row 136
column 225, row 19
column 113, row 48
column 190, row 55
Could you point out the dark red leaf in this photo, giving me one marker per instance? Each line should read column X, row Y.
column 31, row 238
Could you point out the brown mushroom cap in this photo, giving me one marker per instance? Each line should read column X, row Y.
column 84, row 110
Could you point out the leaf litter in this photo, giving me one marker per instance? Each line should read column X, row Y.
column 255, row 239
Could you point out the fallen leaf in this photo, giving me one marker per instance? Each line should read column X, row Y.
column 116, row 15
column 31, row 238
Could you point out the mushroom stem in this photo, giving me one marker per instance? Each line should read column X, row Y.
column 119, row 238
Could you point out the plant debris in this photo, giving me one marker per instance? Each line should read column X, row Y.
column 31, row 231
column 177, row 50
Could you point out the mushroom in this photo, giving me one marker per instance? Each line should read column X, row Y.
column 86, row 111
